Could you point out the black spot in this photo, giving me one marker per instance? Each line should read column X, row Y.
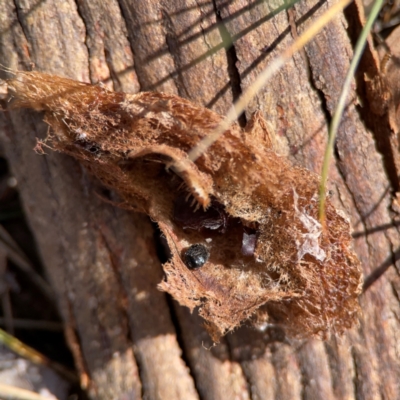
column 91, row 147
column 196, row 256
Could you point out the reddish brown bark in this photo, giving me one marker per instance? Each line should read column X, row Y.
column 101, row 260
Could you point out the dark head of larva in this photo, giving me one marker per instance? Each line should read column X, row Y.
column 196, row 256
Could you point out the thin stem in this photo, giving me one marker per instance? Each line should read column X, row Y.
column 237, row 109
column 362, row 39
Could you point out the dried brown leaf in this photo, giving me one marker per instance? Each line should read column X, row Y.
column 241, row 222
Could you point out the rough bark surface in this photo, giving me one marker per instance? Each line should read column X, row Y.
column 129, row 340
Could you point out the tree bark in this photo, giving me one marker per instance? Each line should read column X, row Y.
column 129, row 340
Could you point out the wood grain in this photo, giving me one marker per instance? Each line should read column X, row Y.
column 127, row 338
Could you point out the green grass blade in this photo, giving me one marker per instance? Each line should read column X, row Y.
column 342, row 103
